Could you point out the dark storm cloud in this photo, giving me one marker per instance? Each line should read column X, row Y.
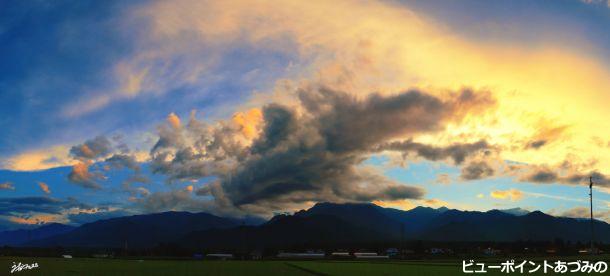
column 316, row 154
column 25, row 205
column 119, row 161
column 476, row 170
column 347, row 123
column 457, row 152
column 542, row 176
column 536, row 144
column 171, row 200
column 573, row 176
column 97, row 147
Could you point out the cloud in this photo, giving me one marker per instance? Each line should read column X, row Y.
column 457, row 152
column 25, row 205
column 536, row 144
column 443, row 178
column 546, row 133
column 44, row 187
column 605, row 3
column 173, row 200
column 576, row 212
column 365, row 56
column 564, row 173
column 119, row 161
column 101, row 149
column 18, row 212
column 585, row 213
column 7, row 186
column 81, row 175
column 476, row 170
column 512, row 194
column 41, row 159
column 173, row 120
column 313, row 152
column 95, row 148
column 36, row 219
column 99, row 214
column 249, row 122
column 564, row 198
column 407, row 204
column 435, row 203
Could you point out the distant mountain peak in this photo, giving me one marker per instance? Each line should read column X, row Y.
column 516, row 211
column 538, row 213
column 331, row 204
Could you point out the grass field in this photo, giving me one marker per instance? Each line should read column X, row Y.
column 86, row 266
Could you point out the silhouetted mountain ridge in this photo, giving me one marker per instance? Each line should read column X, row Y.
column 137, row 231
column 20, row 236
column 327, row 223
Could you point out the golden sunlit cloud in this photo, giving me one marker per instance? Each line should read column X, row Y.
column 7, row 186
column 44, row 187
column 390, row 48
column 396, row 204
column 39, row 159
column 406, row 204
column 81, row 175
column 511, row 194
column 173, row 120
column 38, row 219
column 584, row 212
column 249, row 122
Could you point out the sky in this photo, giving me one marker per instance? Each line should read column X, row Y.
column 112, row 108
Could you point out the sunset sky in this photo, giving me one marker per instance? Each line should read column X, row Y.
column 111, row 108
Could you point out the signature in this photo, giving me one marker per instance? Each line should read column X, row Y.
column 19, row 267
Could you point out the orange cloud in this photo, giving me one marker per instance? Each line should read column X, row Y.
column 173, row 120
column 7, row 186
column 249, row 122
column 38, row 159
column 36, row 219
column 512, row 194
column 44, row 187
column 397, row 204
column 81, row 175
column 531, row 83
column 86, row 151
column 405, row 204
column 81, row 171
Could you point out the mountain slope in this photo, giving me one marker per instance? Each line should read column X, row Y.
column 17, row 237
column 138, row 231
column 326, row 223
column 283, row 232
column 365, row 216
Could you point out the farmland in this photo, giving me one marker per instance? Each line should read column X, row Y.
column 91, row 266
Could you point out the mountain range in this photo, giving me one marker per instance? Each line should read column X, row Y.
column 324, row 223
column 21, row 236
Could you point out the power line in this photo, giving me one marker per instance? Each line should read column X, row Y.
column 591, row 201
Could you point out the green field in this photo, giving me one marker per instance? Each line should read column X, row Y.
column 90, row 266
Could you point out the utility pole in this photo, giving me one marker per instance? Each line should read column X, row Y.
column 591, row 200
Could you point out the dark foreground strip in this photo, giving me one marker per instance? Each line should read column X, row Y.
column 312, row 272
